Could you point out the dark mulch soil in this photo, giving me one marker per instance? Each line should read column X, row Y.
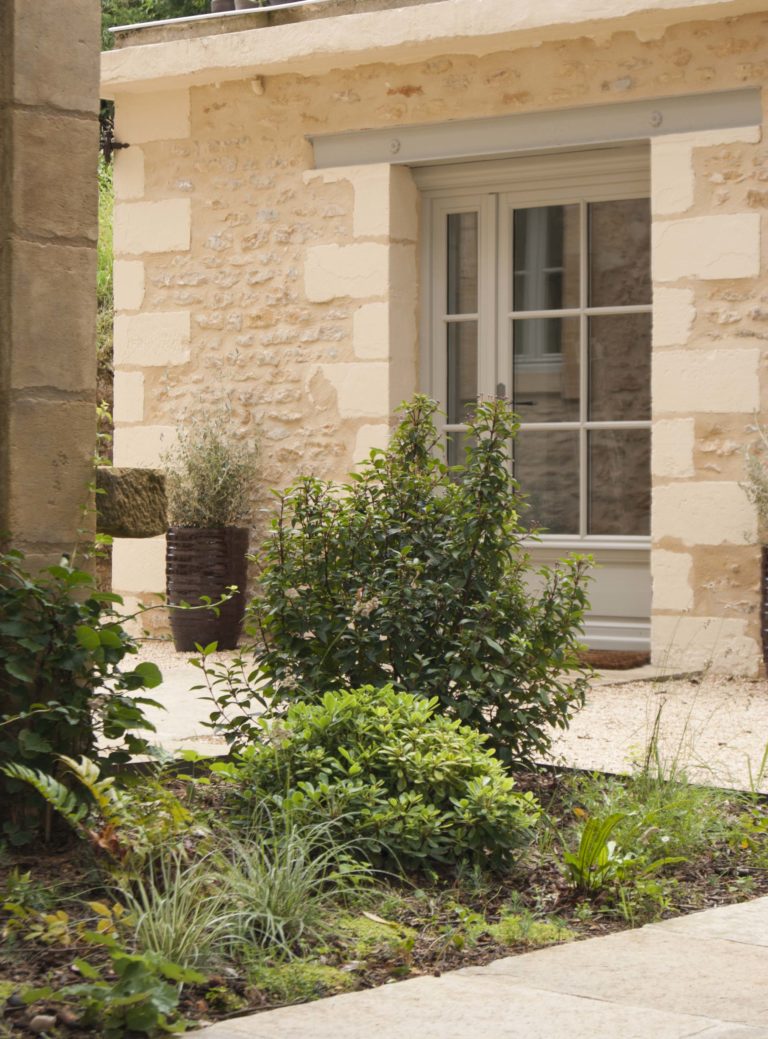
column 724, row 875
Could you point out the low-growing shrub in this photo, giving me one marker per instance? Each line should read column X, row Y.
column 415, row 574
column 414, row 786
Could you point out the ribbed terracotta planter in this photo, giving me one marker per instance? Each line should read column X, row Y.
column 204, row 563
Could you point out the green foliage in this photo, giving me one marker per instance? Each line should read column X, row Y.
column 297, row 981
column 414, row 575
column 596, row 860
column 524, row 929
column 115, row 821
column 181, row 911
column 140, row 995
column 415, row 786
column 368, row 935
column 210, row 473
column 129, row 12
column 599, row 862
column 62, row 682
column 659, row 816
column 286, row 878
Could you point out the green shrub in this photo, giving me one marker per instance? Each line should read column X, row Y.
column 62, row 683
column 414, row 574
column 408, row 784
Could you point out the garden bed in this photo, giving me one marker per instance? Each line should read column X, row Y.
column 397, row 927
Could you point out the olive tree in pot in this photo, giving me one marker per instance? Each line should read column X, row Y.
column 209, row 479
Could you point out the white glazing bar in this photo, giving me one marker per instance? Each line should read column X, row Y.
column 635, row 308
column 576, row 425
column 583, row 367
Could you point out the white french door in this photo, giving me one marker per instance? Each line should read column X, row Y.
column 538, row 289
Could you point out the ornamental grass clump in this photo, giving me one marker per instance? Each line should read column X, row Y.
column 210, row 474
column 415, row 575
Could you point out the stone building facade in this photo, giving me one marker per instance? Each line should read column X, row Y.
column 49, row 133
column 278, row 245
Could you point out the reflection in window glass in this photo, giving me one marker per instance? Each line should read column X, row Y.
column 456, row 452
column 462, row 263
column 547, row 469
column 546, row 369
column 620, row 367
column 462, row 369
column 619, row 253
column 619, row 481
column 546, row 258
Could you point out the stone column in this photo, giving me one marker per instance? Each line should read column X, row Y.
column 49, row 100
column 708, row 353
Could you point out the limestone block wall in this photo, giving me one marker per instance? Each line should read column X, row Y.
column 49, row 94
column 708, row 384
column 244, row 274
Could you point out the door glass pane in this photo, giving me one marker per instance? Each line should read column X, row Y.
column 619, row 481
column 462, row 263
column 462, row 370
column 547, row 469
column 620, row 367
column 546, row 258
column 546, row 369
column 619, row 253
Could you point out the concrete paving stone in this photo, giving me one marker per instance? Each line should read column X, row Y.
column 729, row 1031
column 482, row 1007
column 746, row 923
column 651, row 967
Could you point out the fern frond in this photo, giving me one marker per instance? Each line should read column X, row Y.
column 111, row 805
column 59, row 797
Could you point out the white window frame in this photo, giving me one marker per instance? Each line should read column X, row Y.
column 610, row 173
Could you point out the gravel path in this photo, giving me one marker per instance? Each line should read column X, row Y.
column 714, row 729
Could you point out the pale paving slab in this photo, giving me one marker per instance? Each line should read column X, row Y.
column 680, row 973
column 709, row 982
column 483, row 1007
column 746, row 923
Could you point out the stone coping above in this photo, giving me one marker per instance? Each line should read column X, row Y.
column 310, row 38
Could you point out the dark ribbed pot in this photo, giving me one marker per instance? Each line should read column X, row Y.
column 218, row 6
column 204, row 563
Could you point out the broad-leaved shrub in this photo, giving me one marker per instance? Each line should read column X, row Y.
column 415, row 574
column 407, row 783
column 63, row 682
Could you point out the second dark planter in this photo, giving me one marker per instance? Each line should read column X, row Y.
column 204, row 563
